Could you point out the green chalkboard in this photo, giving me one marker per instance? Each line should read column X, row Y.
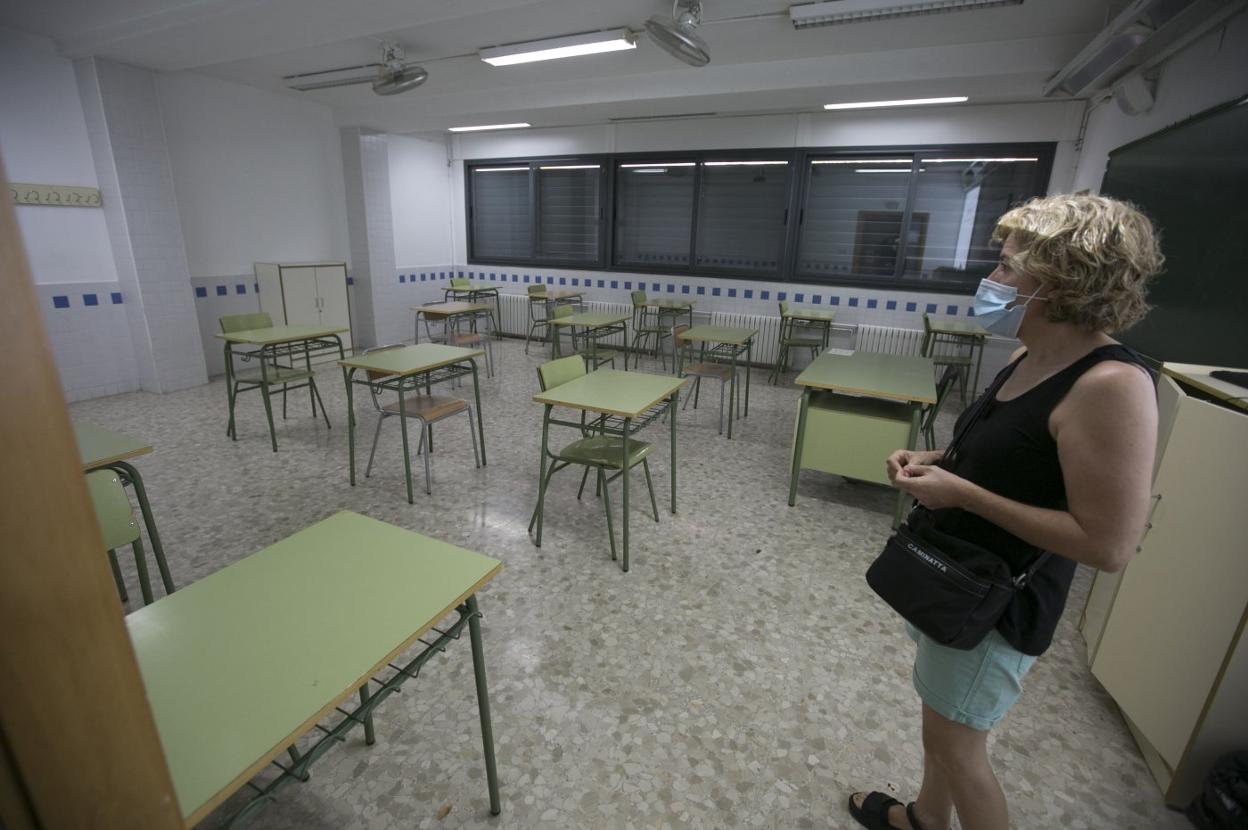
column 1192, row 181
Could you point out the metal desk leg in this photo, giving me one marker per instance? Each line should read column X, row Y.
column 542, row 477
column 798, row 440
column 483, row 704
column 145, row 508
column 979, row 361
column 627, row 470
column 732, row 392
column 268, row 407
column 749, row 363
column 671, row 414
column 407, row 459
column 915, row 418
column 476, row 393
column 348, row 376
column 229, row 389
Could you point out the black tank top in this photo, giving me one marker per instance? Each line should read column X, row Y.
column 1009, row 451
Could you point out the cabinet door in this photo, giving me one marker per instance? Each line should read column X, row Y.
column 1181, row 599
column 299, row 296
column 331, row 285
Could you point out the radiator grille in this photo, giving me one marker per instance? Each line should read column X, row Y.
column 889, row 340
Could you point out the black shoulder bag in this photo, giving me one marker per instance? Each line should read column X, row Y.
column 955, row 595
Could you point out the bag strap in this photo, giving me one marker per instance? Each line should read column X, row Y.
column 1036, row 564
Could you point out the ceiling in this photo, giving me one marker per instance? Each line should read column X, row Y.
column 757, row 65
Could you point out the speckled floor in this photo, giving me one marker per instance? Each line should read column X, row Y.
column 741, row 675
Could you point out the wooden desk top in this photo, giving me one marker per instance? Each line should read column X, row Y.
column 411, row 360
column 450, row 309
column 958, row 328
column 591, row 319
column 814, row 315
column 276, row 335
column 98, row 446
column 627, row 394
column 886, row 376
column 242, row 662
column 730, row 335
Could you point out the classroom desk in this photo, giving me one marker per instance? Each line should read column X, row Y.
column 407, row 369
column 673, row 309
column 274, row 343
column 241, row 664
column 447, row 314
column 821, row 317
column 100, row 448
column 597, row 325
column 472, row 292
column 969, row 334
column 629, row 401
column 855, row 410
column 730, row 342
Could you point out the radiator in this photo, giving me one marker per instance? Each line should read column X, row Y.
column 514, row 321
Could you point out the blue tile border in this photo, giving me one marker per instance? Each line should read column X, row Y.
column 60, row 301
column 221, row 291
column 201, row 291
column 90, row 299
column 240, row 289
column 116, row 298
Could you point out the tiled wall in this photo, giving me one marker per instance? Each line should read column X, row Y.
column 90, row 337
column 216, row 297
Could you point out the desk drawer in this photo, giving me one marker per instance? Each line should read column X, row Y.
column 852, row 437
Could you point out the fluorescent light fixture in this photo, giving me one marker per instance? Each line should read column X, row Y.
column 498, row 169
column 832, row 13
column 886, row 170
column 904, row 102
column 569, row 167
column 518, row 125
column 861, row 161
column 662, row 164
column 742, row 163
column 553, row 48
column 970, row 161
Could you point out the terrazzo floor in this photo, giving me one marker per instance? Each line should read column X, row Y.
column 742, row 674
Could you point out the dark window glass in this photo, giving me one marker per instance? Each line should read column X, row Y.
column 653, row 213
column 568, row 211
column 851, row 222
column 964, row 195
column 741, row 215
column 502, row 224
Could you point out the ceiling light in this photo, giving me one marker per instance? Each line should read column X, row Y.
column 904, row 102
column 569, row 167
column 499, row 169
column 835, row 12
column 662, row 164
column 861, row 161
column 560, row 47
column 886, row 170
column 742, row 163
column 972, row 161
column 477, row 129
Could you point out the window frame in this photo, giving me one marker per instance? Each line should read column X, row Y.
column 799, row 171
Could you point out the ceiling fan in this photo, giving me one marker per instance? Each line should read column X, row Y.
column 677, row 34
column 389, row 77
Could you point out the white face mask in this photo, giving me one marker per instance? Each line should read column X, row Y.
column 992, row 300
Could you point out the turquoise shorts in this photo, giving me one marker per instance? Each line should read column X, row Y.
column 976, row 687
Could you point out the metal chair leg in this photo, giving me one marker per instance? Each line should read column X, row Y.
column 654, row 505
column 476, row 456
column 140, row 565
column 324, row 413
column 121, row 584
column 373, row 451
column 606, row 504
column 424, row 447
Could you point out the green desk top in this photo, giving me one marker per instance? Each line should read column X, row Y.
column 718, row 334
column 957, row 328
column 591, row 319
column 680, row 304
column 815, row 315
column 411, row 360
column 472, row 286
column 241, row 663
column 559, row 295
column 888, row 376
column 627, row 394
column 98, row 446
column 449, row 309
column 279, row 334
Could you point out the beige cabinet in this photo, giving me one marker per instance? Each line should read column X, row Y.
column 1165, row 637
column 306, row 293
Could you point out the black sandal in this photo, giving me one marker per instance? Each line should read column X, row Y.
column 873, row 814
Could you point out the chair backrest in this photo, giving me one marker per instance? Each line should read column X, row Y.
column 231, row 323
column 537, row 290
column 562, row 311
column 639, row 299
column 373, row 374
column 112, row 509
column 459, row 282
column 927, row 324
column 554, row 373
column 943, row 387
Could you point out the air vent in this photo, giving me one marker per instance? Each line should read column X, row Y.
column 662, row 117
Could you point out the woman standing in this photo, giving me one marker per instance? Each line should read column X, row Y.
column 1060, row 460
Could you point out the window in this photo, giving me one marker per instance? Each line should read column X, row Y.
column 568, row 212
column 502, row 227
column 654, row 213
column 742, row 214
column 906, row 217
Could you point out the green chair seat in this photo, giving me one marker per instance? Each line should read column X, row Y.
column 276, row 374
column 605, row 451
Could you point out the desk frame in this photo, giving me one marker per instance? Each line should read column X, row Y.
column 593, row 333
column 722, row 349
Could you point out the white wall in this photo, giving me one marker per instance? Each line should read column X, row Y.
column 420, row 200
column 1210, row 71
column 43, row 140
column 258, row 176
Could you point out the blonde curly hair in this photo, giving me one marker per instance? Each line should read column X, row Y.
column 1095, row 255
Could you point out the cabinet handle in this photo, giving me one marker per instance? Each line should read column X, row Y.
column 1148, row 524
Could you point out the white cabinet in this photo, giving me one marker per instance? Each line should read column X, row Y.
column 306, row 293
column 1166, row 637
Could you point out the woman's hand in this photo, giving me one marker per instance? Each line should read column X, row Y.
column 934, row 487
column 899, row 459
